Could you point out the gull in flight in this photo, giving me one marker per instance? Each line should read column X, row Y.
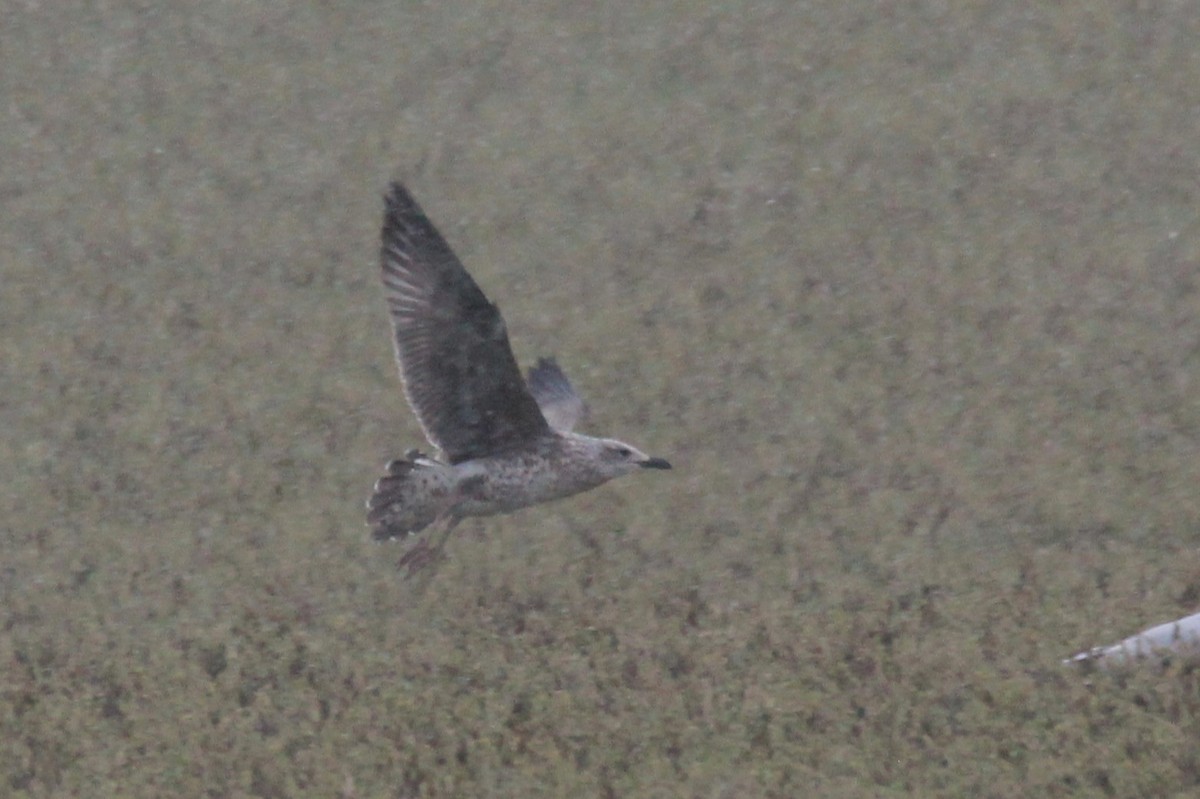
column 504, row 442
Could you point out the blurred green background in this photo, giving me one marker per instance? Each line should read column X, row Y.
column 906, row 291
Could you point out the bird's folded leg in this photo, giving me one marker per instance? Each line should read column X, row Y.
column 422, row 554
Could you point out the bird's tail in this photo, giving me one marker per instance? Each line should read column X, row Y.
column 412, row 494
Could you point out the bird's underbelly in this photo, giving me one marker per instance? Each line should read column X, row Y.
column 488, row 488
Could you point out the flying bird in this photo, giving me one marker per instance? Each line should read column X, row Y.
column 504, row 442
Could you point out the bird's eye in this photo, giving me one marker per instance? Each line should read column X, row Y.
column 624, row 452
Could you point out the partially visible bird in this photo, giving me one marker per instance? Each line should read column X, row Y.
column 505, row 443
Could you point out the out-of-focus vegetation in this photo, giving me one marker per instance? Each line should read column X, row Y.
column 907, row 292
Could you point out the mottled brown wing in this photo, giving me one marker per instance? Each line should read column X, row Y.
column 458, row 368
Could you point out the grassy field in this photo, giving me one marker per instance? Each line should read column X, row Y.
column 907, row 292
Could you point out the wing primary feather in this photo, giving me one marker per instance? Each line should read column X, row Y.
column 456, row 363
column 560, row 403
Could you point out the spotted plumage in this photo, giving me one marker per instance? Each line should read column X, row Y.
column 506, row 442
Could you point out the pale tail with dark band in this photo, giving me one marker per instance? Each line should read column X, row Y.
column 409, row 497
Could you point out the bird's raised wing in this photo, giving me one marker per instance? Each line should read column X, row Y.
column 560, row 404
column 456, row 363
